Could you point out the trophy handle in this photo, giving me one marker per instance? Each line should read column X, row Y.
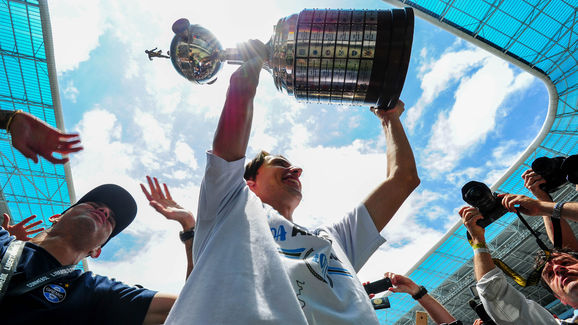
column 236, row 56
column 231, row 56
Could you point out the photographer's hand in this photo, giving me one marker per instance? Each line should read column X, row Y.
column 436, row 311
column 525, row 205
column 470, row 217
column 483, row 262
column 402, row 284
column 532, row 182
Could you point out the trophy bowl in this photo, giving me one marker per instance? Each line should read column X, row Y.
column 344, row 57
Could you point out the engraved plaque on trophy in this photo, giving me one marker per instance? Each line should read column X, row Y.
column 346, row 57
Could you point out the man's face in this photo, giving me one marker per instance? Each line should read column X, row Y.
column 561, row 275
column 92, row 221
column 278, row 181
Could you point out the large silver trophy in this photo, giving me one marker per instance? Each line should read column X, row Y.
column 347, row 57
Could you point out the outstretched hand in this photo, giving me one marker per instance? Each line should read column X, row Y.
column 402, row 284
column 165, row 205
column 33, row 137
column 20, row 230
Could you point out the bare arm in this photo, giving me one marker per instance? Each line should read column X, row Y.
column 164, row 204
column 483, row 262
column 532, row 182
column 402, row 176
column 159, row 308
column 436, row 311
column 234, row 128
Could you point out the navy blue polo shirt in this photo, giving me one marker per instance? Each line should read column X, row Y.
column 79, row 298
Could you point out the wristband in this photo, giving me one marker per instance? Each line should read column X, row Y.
column 422, row 292
column 481, row 250
column 187, row 234
column 557, row 213
column 479, row 245
column 10, row 119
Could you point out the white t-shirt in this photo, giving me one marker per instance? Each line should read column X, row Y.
column 253, row 266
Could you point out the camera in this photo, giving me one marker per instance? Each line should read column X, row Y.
column 481, row 312
column 556, row 171
column 480, row 196
column 378, row 286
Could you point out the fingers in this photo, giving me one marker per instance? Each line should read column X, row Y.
column 33, row 231
column 470, row 216
column 168, row 194
column 146, row 193
column 158, row 188
column 6, row 221
column 68, row 135
column 65, row 151
column 26, row 220
column 52, row 159
column 68, row 147
column 32, row 225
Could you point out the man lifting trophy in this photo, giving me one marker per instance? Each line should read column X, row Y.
column 346, row 57
column 253, row 264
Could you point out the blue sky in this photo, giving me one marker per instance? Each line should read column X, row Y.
column 469, row 115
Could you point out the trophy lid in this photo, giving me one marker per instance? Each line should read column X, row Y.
column 195, row 52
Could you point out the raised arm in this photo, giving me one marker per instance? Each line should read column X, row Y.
column 532, row 182
column 404, row 284
column 402, row 176
column 33, row 137
column 165, row 205
column 234, row 128
column 483, row 262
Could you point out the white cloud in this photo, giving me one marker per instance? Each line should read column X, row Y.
column 70, row 91
column 76, row 28
column 473, row 116
column 404, row 247
column 153, row 132
column 186, row 155
column 440, row 75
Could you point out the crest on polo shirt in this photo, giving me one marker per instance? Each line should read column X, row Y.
column 54, row 293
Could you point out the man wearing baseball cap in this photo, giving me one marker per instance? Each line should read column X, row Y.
column 46, row 286
column 39, row 279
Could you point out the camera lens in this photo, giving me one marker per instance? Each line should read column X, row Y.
column 551, row 170
column 478, row 195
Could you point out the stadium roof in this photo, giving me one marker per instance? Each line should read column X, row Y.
column 541, row 37
column 28, row 83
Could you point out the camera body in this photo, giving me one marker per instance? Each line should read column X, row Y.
column 480, row 196
column 556, row 171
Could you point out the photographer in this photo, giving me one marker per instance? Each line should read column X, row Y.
column 534, row 182
column 503, row 302
column 437, row 312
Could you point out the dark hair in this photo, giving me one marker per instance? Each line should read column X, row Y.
column 253, row 165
